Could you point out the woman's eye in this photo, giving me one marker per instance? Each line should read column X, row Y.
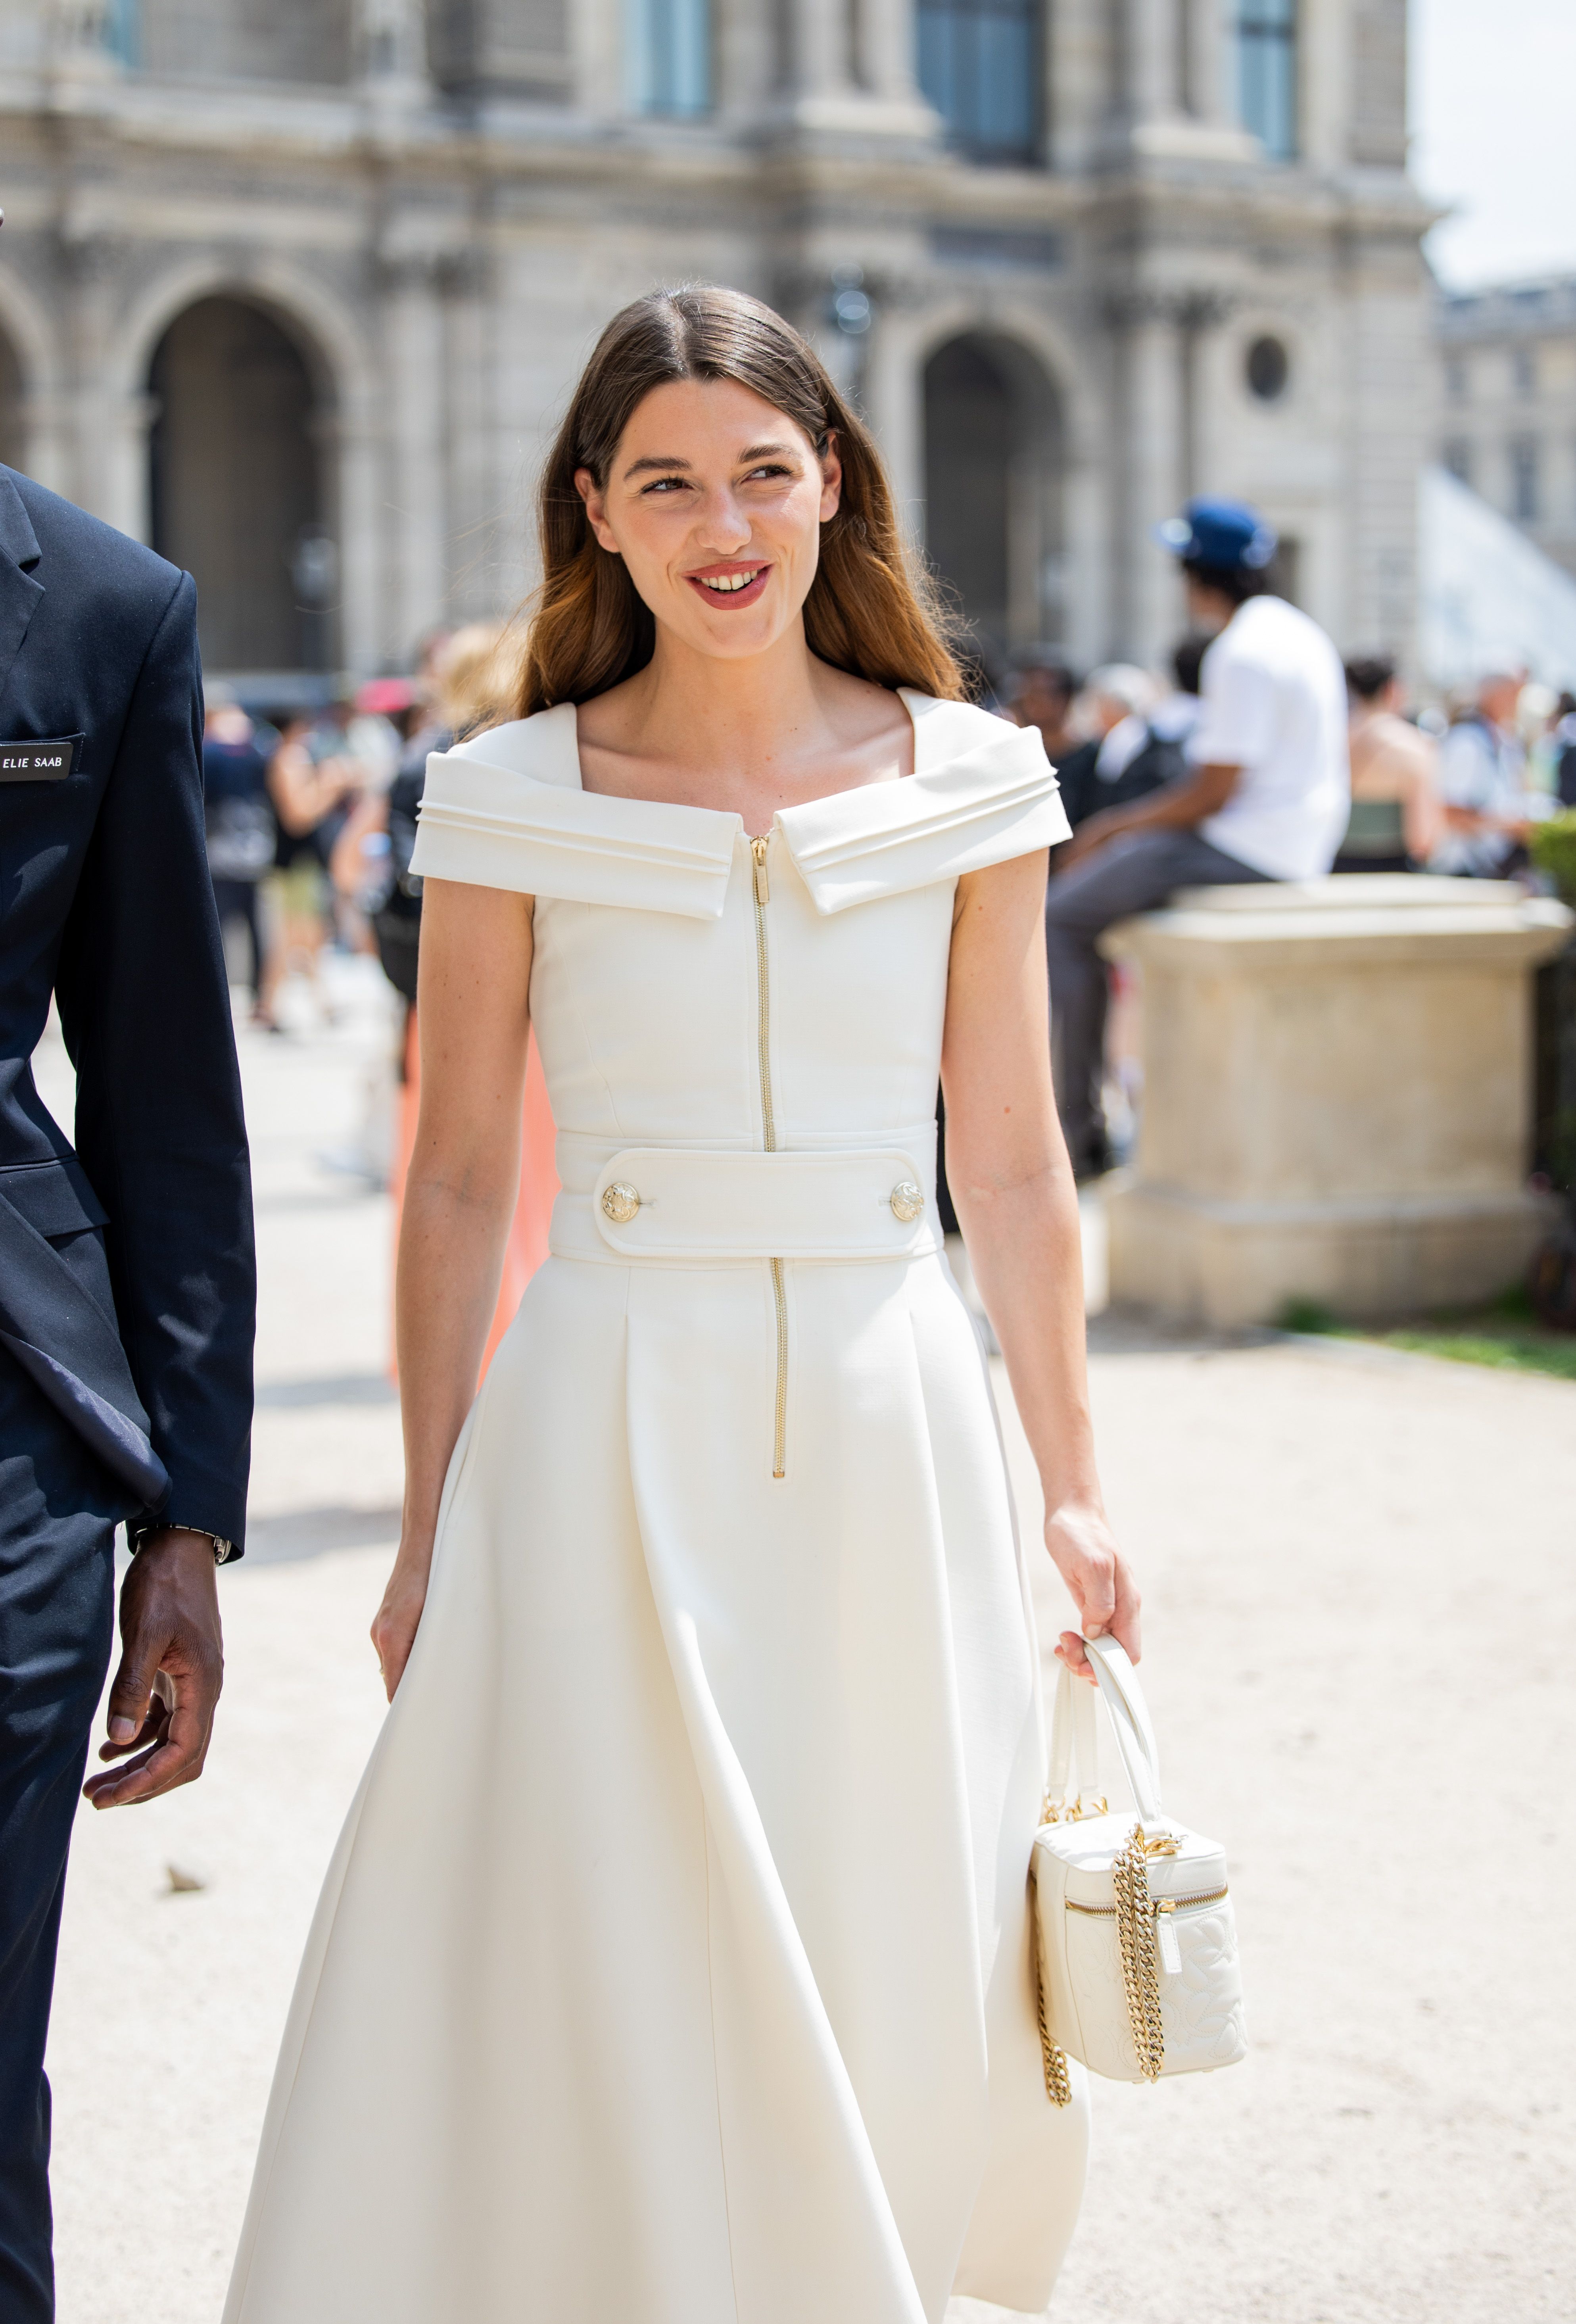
column 772, row 468
column 663, row 485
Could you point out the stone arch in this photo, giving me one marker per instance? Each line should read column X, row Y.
column 241, row 484
column 304, row 308
column 995, row 468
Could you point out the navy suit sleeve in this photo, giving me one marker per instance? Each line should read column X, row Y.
column 144, row 1005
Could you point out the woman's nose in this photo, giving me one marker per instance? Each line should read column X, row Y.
column 722, row 525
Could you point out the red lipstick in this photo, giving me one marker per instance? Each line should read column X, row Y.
column 745, row 580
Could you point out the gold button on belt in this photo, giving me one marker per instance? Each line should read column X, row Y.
column 906, row 1200
column 620, row 1201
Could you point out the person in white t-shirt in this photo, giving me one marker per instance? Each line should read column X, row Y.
column 1267, row 795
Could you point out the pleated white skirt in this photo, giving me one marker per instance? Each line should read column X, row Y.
column 673, row 1966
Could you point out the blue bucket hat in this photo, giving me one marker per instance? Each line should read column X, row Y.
column 1224, row 533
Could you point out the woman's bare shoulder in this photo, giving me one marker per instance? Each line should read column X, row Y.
column 613, row 721
column 1388, row 755
column 862, row 711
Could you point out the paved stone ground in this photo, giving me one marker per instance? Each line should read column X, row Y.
column 1361, row 1574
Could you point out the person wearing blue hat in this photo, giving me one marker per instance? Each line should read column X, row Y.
column 1266, row 795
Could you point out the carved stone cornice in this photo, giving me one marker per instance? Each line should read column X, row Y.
column 1187, row 310
column 448, row 274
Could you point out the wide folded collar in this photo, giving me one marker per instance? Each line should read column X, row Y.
column 981, row 789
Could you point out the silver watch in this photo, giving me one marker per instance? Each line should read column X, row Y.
column 137, row 1535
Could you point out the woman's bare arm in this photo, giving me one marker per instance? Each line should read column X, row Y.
column 1422, row 808
column 346, row 863
column 303, row 792
column 472, row 1011
column 1013, row 1186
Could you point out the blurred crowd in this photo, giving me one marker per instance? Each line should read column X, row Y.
column 1456, row 789
column 311, row 826
column 311, row 814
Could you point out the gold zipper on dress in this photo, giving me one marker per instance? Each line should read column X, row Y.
column 769, row 1126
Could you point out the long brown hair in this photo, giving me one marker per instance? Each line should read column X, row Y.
column 871, row 610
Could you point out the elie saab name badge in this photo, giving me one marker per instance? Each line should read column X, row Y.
column 39, row 762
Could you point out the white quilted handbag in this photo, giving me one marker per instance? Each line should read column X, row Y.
column 1136, row 1947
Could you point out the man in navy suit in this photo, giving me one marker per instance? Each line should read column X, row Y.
column 127, row 1288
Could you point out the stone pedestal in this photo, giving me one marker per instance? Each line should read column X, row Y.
column 1337, row 1097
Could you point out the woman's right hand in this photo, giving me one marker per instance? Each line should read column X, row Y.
column 398, row 1620
column 1099, row 1579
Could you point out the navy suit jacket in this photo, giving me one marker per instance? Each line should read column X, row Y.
column 128, row 1281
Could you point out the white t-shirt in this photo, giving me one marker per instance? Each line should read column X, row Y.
column 1274, row 706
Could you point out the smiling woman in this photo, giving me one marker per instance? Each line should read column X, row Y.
column 869, row 608
column 710, row 1667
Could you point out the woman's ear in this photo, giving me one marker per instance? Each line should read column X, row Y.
column 596, row 501
column 831, row 479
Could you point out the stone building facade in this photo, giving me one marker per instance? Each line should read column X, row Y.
column 1507, row 414
column 295, row 287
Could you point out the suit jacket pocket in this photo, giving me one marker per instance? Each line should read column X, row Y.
column 55, row 1197
column 57, row 1320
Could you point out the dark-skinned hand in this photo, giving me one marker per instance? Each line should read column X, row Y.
column 172, row 1667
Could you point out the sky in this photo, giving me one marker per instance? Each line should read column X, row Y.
column 1494, row 135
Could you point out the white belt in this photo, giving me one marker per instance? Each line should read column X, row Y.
column 684, row 1204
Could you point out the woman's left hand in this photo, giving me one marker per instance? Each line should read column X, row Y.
column 398, row 1619
column 1084, row 1552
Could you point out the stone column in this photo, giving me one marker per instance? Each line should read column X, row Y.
column 1185, row 103
column 390, row 50
column 485, row 509
column 596, row 39
column 885, row 50
column 355, row 448
column 1337, row 1097
column 46, row 439
column 123, row 493
column 106, row 435
column 415, row 582
column 1147, row 470
column 1197, row 314
column 846, row 66
column 1388, row 363
column 818, row 42
column 1080, row 96
column 1210, row 90
column 894, row 390
column 1151, row 57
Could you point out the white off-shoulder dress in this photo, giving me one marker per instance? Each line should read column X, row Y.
column 673, row 1966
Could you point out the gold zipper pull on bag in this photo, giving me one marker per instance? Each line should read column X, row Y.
column 1165, row 1944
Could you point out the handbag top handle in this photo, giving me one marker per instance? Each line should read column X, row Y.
column 1072, row 1729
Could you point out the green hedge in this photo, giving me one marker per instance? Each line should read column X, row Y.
column 1553, row 848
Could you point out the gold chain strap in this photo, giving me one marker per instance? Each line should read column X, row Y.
column 1135, row 1921
column 1058, row 2082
